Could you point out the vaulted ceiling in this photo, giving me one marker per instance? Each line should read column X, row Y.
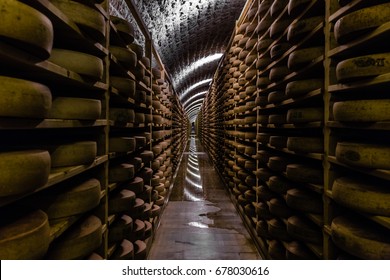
column 190, row 36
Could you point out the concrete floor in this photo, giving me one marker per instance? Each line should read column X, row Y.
column 200, row 221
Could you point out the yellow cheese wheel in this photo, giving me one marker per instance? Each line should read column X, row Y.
column 125, row 251
column 279, row 208
column 121, row 173
column 305, row 115
column 302, row 57
column 263, row 44
column 81, row 63
column 121, row 201
column 278, row 73
column 125, row 86
column 305, row 201
column 90, row 20
column 363, row 67
column 278, row 27
column 23, row 171
column 122, row 115
column 276, row 250
column 304, row 174
column 78, row 153
column 304, row 230
column 357, row 23
column 361, row 238
column 122, row 144
column 376, row 110
column 136, row 185
column 138, row 230
column 250, row 44
column 301, row 87
column 278, row 164
column 263, row 25
column 125, row 28
column 362, row 195
column 303, row 27
column 278, row 184
column 79, row 241
column 298, row 251
column 70, row 200
column 364, row 155
column 140, row 250
column 264, row 7
column 125, row 56
column 278, row 230
column 26, row 28
column 262, row 228
column 278, row 50
column 277, row 7
column 277, row 119
column 276, row 97
column 75, row 108
column 25, row 238
column 120, row 229
column 24, row 99
column 278, row 141
column 305, row 144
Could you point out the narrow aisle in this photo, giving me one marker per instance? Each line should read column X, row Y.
column 200, row 221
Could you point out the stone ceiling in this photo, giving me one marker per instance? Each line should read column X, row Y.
column 186, row 33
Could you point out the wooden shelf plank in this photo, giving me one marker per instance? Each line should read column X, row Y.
column 381, row 80
column 17, row 124
column 360, row 125
column 59, row 226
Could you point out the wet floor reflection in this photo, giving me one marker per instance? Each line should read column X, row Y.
column 188, row 184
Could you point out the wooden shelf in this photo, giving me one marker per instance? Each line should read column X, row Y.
column 59, row 226
column 293, row 102
column 20, row 124
column 380, row 173
column 56, row 176
column 350, row 7
column 305, row 155
column 365, row 84
column 360, row 125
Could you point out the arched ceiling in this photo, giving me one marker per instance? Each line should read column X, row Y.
column 190, row 36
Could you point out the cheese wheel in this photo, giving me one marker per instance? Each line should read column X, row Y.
column 304, row 230
column 301, row 87
column 136, row 185
column 363, row 155
column 295, row 5
column 263, row 156
column 137, row 209
column 25, row 238
column 262, row 229
column 262, row 210
column 304, row 201
column 263, row 82
column 363, row 67
column 276, row 97
column 276, row 250
column 305, row 144
column 121, row 173
column 351, row 111
column 139, row 118
column 242, row 27
column 25, row 99
column 278, row 50
column 78, row 153
column 279, row 142
column 156, row 210
column 125, row 86
column 305, row 115
column 362, row 195
column 242, row 41
column 279, row 208
column 278, row 27
column 264, row 7
column 302, row 57
column 125, row 28
column 277, row 7
column 278, row 73
column 278, row 230
column 263, row 138
column 75, row 108
column 70, row 201
column 90, row 20
column 264, row 44
column 357, row 23
column 138, row 230
column 148, row 229
column 81, row 63
column 277, row 119
column 304, row 174
column 125, row 56
column 121, row 201
column 140, row 250
column 361, row 238
column 122, row 144
column 250, row 74
column 26, row 28
column 262, row 26
column 297, row 251
column 303, row 27
column 120, row 229
column 249, row 46
column 122, row 115
column 146, row 174
column 263, row 174
column 278, row 164
column 278, row 184
column 79, row 241
column 137, row 162
column 160, row 200
column 139, row 50
column 23, row 171
column 125, row 251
